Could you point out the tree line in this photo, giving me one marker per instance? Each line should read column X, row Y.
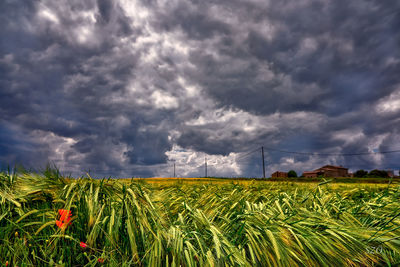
column 358, row 174
column 372, row 174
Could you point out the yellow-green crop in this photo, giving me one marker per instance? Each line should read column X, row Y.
column 179, row 223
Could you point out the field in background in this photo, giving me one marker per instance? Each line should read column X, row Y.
column 196, row 222
column 300, row 181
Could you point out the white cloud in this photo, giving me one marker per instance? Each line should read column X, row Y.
column 390, row 104
column 191, row 89
column 84, row 34
column 163, row 100
column 190, row 163
column 48, row 14
column 348, row 136
column 60, row 146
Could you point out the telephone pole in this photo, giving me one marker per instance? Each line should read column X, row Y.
column 205, row 164
column 174, row 170
column 263, row 162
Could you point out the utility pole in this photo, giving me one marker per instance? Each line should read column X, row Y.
column 174, row 170
column 205, row 164
column 263, row 162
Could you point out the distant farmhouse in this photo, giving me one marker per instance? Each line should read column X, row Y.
column 279, row 174
column 328, row 171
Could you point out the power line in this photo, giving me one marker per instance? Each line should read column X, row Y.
column 247, row 154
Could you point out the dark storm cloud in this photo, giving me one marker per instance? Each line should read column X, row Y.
column 17, row 147
column 329, row 58
column 112, row 85
column 348, row 47
column 195, row 22
column 62, row 87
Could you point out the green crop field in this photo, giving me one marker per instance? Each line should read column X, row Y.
column 47, row 220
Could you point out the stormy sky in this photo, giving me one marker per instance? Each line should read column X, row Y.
column 126, row 88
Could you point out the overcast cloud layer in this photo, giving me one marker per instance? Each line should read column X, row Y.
column 125, row 87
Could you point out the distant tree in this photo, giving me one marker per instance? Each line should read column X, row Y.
column 360, row 174
column 378, row 174
column 292, row 174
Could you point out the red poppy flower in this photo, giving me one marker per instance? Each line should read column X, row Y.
column 65, row 215
column 83, row 245
column 6, row 263
column 59, row 224
column 101, row 260
column 65, row 218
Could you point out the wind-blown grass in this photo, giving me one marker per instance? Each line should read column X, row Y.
column 180, row 224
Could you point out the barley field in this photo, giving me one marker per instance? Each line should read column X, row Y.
column 49, row 220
